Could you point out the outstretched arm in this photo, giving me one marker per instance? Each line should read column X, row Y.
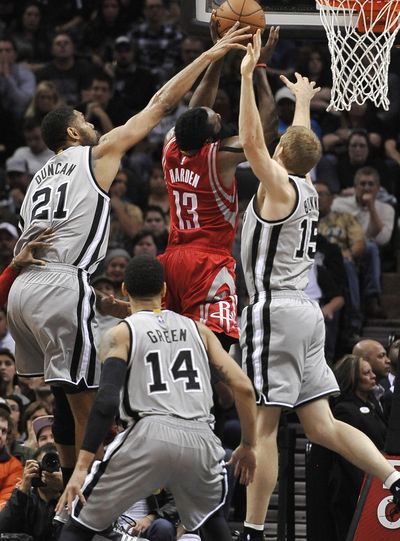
column 206, row 92
column 266, row 102
column 304, row 90
column 115, row 143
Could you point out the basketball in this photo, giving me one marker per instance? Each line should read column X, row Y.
column 247, row 12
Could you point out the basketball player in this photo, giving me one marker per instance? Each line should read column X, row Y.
column 283, row 330
column 156, row 370
column 199, row 167
column 51, row 309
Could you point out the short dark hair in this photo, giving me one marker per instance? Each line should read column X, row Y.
column 144, row 276
column 54, row 127
column 100, row 75
column 192, row 129
column 44, row 449
column 8, row 353
column 155, row 208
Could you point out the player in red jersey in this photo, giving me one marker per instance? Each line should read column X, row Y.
column 199, row 168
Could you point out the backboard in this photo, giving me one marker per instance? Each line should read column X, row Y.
column 295, row 17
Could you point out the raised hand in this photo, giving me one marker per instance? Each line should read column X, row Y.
column 252, row 55
column 231, row 40
column 302, row 88
column 268, row 49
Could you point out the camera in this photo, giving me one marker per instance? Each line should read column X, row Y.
column 51, row 463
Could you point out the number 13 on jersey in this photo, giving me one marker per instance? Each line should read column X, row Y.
column 186, row 210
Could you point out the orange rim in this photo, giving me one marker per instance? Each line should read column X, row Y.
column 371, row 10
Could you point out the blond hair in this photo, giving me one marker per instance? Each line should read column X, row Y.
column 43, row 86
column 301, row 150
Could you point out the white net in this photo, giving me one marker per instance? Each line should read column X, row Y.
column 360, row 36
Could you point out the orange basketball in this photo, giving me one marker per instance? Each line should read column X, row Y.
column 247, row 12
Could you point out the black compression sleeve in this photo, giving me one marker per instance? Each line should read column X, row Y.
column 106, row 404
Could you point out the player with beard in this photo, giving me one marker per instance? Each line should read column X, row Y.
column 51, row 309
column 199, row 162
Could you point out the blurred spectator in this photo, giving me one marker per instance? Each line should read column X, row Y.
column 126, row 218
column 10, row 467
column 114, row 267
column 14, row 437
column 339, row 171
column 69, row 74
column 17, row 83
column 6, row 340
column 134, row 84
column 191, row 48
column 344, row 230
column 43, row 429
column 30, row 36
column 327, row 285
column 16, row 411
column 35, row 154
column 157, row 135
column 8, row 239
column 337, row 127
column 377, row 220
column 45, row 98
column 105, row 285
column 18, row 180
column 66, row 16
column 108, row 23
column 32, row 411
column 158, row 193
column 373, row 352
column 102, row 109
column 285, row 105
column 144, row 244
column 31, row 508
column 156, row 222
column 317, row 68
column 158, row 42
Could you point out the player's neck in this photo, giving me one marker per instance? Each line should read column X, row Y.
column 153, row 304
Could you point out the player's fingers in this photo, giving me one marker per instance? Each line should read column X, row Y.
column 38, row 262
column 285, row 80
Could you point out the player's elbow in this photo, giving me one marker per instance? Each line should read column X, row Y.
column 247, row 139
column 161, row 103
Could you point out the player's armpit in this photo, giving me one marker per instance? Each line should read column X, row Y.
column 116, row 342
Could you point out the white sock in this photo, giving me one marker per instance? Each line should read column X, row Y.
column 393, row 477
column 259, row 527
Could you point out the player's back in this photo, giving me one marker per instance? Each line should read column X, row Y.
column 64, row 195
column 277, row 255
column 203, row 211
column 168, row 369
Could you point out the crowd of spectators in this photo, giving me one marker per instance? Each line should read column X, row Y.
column 107, row 58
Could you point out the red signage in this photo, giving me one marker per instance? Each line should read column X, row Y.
column 375, row 518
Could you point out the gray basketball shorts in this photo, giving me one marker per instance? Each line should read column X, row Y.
column 158, row 452
column 51, row 318
column 282, row 341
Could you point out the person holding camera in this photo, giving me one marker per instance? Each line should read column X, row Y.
column 30, row 509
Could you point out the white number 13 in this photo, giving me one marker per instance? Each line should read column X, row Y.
column 186, row 210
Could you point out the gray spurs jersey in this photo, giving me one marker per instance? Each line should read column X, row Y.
column 168, row 368
column 64, row 195
column 277, row 255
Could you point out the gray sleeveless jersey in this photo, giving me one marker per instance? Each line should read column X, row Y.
column 64, row 195
column 277, row 255
column 168, row 368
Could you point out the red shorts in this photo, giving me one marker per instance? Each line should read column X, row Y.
column 201, row 286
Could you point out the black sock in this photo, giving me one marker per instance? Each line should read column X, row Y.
column 66, row 474
column 395, row 490
column 254, row 535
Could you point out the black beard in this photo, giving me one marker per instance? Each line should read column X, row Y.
column 227, row 130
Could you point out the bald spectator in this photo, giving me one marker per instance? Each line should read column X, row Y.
column 373, row 352
column 69, row 74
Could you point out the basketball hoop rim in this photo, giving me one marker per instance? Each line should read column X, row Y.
column 374, row 5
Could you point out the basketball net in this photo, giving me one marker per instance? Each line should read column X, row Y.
column 360, row 36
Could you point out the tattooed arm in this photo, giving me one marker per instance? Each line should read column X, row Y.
column 243, row 457
column 114, row 356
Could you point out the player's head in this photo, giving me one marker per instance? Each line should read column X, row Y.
column 299, row 150
column 64, row 127
column 144, row 277
column 196, row 127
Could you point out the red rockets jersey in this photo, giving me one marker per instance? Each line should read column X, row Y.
column 203, row 212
